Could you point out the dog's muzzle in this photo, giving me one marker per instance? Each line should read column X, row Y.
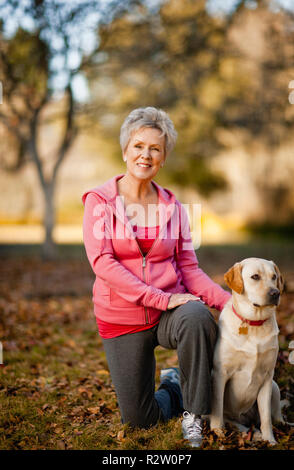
column 273, row 296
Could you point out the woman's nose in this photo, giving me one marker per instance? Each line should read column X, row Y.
column 145, row 153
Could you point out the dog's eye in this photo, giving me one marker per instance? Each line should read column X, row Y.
column 256, row 277
column 274, row 277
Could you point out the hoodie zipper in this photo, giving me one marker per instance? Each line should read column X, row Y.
column 144, row 278
column 145, row 308
column 144, row 265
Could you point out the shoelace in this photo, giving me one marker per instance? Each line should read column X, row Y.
column 194, row 428
column 198, row 427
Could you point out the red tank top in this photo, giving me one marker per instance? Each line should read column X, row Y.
column 145, row 238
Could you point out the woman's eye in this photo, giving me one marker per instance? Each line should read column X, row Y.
column 256, row 277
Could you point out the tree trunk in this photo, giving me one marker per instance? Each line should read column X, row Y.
column 49, row 247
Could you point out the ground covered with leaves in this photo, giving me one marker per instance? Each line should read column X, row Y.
column 55, row 387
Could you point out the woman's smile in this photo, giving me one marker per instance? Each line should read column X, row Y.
column 144, row 165
column 145, row 150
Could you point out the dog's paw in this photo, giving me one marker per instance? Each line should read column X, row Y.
column 219, row 432
column 257, row 436
column 270, row 439
column 216, row 425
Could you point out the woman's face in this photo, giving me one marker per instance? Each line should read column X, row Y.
column 145, row 153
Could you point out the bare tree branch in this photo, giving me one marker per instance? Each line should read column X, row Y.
column 69, row 133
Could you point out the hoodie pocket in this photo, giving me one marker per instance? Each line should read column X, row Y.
column 163, row 275
column 118, row 301
column 100, row 288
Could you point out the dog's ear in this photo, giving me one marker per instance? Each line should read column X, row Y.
column 233, row 278
column 280, row 278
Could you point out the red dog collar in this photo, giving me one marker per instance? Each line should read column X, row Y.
column 249, row 322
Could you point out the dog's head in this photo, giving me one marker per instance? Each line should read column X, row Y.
column 259, row 280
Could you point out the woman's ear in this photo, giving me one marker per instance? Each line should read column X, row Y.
column 233, row 278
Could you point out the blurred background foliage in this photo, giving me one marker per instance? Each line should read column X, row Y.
column 72, row 71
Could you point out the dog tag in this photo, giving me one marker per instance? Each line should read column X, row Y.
column 243, row 330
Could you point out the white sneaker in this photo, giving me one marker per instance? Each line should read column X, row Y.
column 192, row 429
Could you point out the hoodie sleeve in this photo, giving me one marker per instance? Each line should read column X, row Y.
column 98, row 245
column 195, row 280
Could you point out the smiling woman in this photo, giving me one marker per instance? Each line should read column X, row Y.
column 149, row 289
column 147, row 148
column 148, row 118
column 144, row 155
column 146, row 138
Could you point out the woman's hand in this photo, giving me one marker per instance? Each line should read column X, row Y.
column 179, row 299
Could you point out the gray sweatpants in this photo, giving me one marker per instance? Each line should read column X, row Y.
column 191, row 329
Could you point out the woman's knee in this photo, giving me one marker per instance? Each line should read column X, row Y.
column 195, row 315
column 139, row 418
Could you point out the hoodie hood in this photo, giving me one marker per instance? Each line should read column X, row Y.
column 109, row 192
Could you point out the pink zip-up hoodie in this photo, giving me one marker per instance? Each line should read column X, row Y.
column 130, row 288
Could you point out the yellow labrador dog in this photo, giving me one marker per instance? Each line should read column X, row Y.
column 246, row 351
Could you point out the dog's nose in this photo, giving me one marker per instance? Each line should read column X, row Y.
column 274, row 295
column 274, row 292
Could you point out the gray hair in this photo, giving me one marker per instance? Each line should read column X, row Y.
column 148, row 117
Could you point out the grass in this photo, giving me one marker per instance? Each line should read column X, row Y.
column 55, row 388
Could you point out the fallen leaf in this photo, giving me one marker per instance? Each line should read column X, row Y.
column 120, row 435
column 103, row 372
column 94, row 410
column 58, row 430
column 60, row 445
column 62, row 399
column 85, row 392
